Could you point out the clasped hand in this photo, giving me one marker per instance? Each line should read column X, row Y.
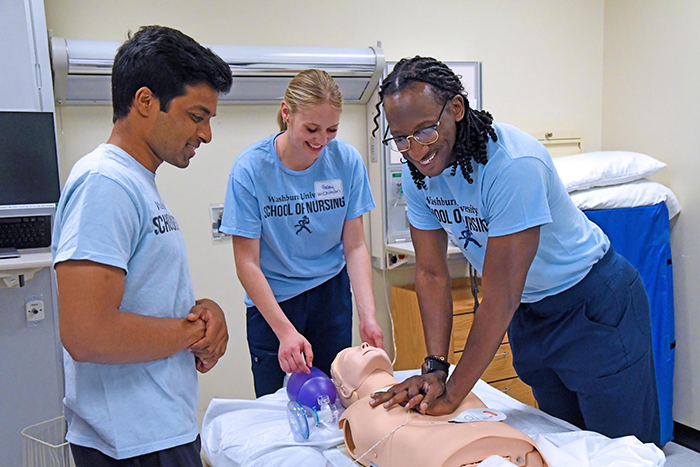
column 209, row 349
column 426, row 393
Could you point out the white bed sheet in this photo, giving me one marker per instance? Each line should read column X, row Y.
column 255, row 433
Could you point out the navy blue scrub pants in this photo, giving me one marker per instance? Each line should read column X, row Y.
column 323, row 315
column 587, row 352
column 187, row 455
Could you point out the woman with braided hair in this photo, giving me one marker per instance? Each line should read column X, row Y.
column 576, row 312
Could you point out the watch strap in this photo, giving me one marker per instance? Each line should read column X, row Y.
column 436, row 363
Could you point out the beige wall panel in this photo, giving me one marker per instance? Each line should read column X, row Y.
column 651, row 104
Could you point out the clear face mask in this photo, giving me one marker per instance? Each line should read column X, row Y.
column 303, row 419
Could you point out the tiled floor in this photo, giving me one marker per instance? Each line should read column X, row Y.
column 679, row 456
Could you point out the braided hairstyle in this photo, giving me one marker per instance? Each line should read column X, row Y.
column 473, row 131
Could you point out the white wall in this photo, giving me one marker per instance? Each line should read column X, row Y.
column 542, row 70
column 651, row 104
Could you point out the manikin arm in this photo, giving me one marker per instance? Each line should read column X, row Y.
column 360, row 273
column 246, row 252
column 93, row 329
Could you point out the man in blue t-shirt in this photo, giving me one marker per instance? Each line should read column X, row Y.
column 133, row 333
column 576, row 312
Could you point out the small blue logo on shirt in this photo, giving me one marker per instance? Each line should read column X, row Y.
column 468, row 237
column 302, row 224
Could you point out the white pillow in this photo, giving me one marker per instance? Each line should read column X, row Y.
column 628, row 195
column 603, row 168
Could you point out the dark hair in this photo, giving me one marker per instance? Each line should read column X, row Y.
column 473, row 131
column 165, row 61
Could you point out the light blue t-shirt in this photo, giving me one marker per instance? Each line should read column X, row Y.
column 297, row 215
column 518, row 188
column 110, row 212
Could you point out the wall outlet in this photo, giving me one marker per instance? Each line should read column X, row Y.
column 215, row 213
column 34, row 310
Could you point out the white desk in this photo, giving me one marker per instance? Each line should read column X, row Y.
column 27, row 264
column 37, row 258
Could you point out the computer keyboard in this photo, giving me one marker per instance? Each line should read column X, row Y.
column 25, row 232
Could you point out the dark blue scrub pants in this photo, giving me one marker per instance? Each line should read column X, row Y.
column 187, row 455
column 323, row 315
column 587, row 352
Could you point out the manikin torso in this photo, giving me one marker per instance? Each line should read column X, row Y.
column 424, row 440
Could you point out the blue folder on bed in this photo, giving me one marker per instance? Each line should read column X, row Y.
column 641, row 234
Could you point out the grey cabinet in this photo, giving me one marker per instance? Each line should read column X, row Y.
column 30, row 352
column 25, row 67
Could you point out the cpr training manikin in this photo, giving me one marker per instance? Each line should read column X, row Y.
column 400, row 437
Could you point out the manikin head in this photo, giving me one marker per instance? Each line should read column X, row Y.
column 359, row 371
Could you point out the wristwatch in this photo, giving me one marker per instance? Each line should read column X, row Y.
column 436, row 363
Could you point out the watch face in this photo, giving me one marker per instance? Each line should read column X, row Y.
column 434, row 365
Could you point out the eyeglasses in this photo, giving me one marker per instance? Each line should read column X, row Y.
column 424, row 136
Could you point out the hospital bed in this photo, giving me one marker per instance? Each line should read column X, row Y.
column 256, row 433
column 611, row 188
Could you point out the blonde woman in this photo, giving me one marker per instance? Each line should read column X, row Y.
column 294, row 206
